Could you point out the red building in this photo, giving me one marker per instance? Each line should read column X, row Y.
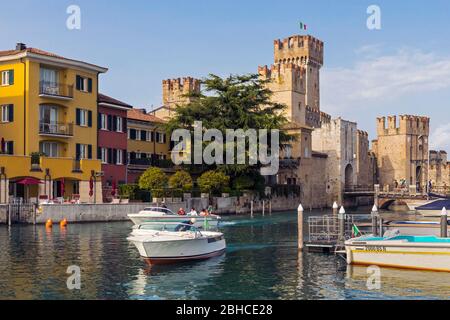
column 112, row 143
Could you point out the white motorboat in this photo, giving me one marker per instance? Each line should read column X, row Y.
column 417, row 228
column 159, row 214
column 162, row 243
column 410, row 252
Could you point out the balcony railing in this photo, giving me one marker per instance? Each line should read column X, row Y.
column 56, row 129
column 57, row 90
column 161, row 163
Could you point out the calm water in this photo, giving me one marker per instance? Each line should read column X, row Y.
column 261, row 262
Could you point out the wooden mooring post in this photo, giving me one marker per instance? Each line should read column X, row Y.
column 263, row 208
column 300, row 227
column 9, row 215
column 444, row 217
column 251, row 208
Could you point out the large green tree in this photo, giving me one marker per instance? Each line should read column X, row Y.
column 236, row 102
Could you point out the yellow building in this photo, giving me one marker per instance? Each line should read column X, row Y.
column 148, row 144
column 48, row 126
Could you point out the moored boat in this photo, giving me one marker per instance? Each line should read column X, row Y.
column 175, row 242
column 159, row 214
column 411, row 252
column 433, row 207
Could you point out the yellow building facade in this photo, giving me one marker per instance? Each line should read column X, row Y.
column 148, row 143
column 48, row 127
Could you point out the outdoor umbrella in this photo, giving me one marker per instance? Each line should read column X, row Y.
column 62, row 187
column 91, row 187
column 114, row 187
column 29, row 181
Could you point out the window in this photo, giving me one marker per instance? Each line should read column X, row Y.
column 83, row 151
column 132, row 134
column 7, row 78
column 103, row 122
column 50, row 149
column 49, row 81
column 119, row 156
column 7, row 113
column 104, row 155
column 143, row 135
column 138, row 134
column 8, row 147
column 84, row 118
column 84, row 84
column 119, row 124
column 149, row 136
column 161, row 137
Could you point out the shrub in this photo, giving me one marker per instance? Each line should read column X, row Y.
column 213, row 182
column 153, row 178
column 181, row 180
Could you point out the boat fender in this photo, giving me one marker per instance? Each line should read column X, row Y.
column 49, row 223
column 63, row 223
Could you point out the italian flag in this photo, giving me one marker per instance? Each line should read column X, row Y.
column 302, row 26
column 355, row 231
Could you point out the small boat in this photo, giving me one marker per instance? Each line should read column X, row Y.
column 417, row 228
column 159, row 214
column 410, row 252
column 433, row 208
column 176, row 242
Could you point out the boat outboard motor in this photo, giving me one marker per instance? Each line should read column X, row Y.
column 391, row 233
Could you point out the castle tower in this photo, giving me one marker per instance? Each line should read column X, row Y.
column 305, row 51
column 175, row 93
column 402, row 150
column 295, row 78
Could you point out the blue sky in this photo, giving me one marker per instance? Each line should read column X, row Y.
column 402, row 68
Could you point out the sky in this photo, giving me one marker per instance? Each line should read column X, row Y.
column 403, row 68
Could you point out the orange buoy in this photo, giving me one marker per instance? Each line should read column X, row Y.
column 63, row 223
column 49, row 223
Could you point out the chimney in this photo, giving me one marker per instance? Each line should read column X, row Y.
column 21, row 46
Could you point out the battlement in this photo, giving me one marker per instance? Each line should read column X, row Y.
column 299, row 50
column 175, row 89
column 438, row 157
column 362, row 133
column 284, row 77
column 404, row 124
column 324, row 117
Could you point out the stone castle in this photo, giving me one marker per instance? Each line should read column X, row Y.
column 330, row 155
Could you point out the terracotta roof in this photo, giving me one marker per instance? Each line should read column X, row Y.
column 138, row 114
column 31, row 50
column 6, row 53
column 102, row 98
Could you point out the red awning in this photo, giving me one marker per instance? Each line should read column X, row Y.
column 29, row 181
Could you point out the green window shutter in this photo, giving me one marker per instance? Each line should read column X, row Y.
column 90, row 119
column 11, row 147
column 11, row 113
column 89, row 151
column 89, row 85
column 78, row 116
column 78, row 151
column 78, row 82
column 11, row 77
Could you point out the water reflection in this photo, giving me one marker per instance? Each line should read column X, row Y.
column 261, row 262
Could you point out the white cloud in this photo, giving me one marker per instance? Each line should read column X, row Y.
column 440, row 138
column 378, row 78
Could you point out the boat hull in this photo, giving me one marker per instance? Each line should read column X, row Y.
column 165, row 252
column 399, row 255
column 139, row 219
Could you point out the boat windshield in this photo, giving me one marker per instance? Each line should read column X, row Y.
column 172, row 227
column 158, row 209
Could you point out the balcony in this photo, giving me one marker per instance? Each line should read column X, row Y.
column 161, row 163
column 55, row 90
column 56, row 129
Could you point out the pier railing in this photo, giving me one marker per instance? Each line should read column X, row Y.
column 325, row 229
